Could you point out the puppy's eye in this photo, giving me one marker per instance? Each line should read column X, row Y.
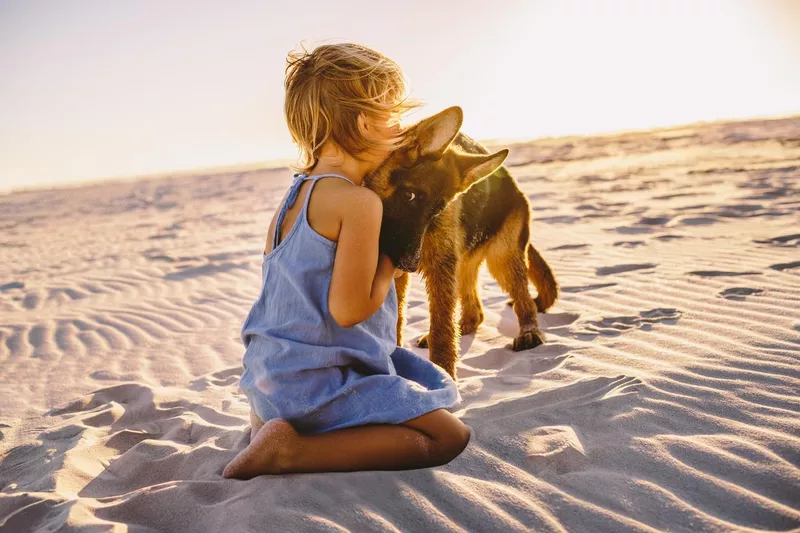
column 409, row 195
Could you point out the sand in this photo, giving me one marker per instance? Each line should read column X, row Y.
column 666, row 397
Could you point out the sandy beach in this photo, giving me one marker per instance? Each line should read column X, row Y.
column 667, row 396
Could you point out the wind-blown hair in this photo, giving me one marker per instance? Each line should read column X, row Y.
column 328, row 88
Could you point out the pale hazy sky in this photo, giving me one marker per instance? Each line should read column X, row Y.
column 95, row 89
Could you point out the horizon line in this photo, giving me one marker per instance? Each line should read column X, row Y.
column 279, row 163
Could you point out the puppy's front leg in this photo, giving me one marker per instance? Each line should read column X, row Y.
column 401, row 287
column 443, row 337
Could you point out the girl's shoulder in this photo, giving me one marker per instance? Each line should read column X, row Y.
column 335, row 200
column 330, row 199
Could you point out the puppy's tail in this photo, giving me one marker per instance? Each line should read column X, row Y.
column 542, row 276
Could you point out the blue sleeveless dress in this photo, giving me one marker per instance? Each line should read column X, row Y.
column 301, row 366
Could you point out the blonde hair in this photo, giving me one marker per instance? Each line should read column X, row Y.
column 326, row 91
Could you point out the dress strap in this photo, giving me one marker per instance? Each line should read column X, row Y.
column 316, row 178
column 291, row 198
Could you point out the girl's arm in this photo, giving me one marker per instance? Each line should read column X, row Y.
column 361, row 276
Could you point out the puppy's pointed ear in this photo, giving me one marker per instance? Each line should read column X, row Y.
column 433, row 135
column 475, row 167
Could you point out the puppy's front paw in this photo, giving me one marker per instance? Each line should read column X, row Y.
column 527, row 340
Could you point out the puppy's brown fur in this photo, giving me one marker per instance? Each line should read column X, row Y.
column 448, row 206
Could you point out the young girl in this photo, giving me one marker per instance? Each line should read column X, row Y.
column 329, row 389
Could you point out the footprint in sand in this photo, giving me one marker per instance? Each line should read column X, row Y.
column 120, row 428
column 614, row 326
column 583, row 403
column 555, row 448
column 618, row 269
column 738, row 293
column 32, row 299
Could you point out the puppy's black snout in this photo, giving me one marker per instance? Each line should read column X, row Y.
column 409, row 264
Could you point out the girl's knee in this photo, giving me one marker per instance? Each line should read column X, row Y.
column 452, row 443
column 446, row 435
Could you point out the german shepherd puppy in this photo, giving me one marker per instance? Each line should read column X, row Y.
column 448, row 205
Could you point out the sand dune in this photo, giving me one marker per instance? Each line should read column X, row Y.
column 666, row 398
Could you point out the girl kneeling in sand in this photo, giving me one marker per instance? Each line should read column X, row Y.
column 321, row 365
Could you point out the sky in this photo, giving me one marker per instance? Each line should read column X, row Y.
column 100, row 89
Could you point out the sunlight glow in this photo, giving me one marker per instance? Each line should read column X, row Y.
column 94, row 90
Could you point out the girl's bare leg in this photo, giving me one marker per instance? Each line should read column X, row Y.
column 432, row 439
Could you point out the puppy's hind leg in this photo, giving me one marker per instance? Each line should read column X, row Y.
column 542, row 276
column 540, row 273
column 506, row 262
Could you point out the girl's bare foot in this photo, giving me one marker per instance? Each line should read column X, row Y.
column 270, row 452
